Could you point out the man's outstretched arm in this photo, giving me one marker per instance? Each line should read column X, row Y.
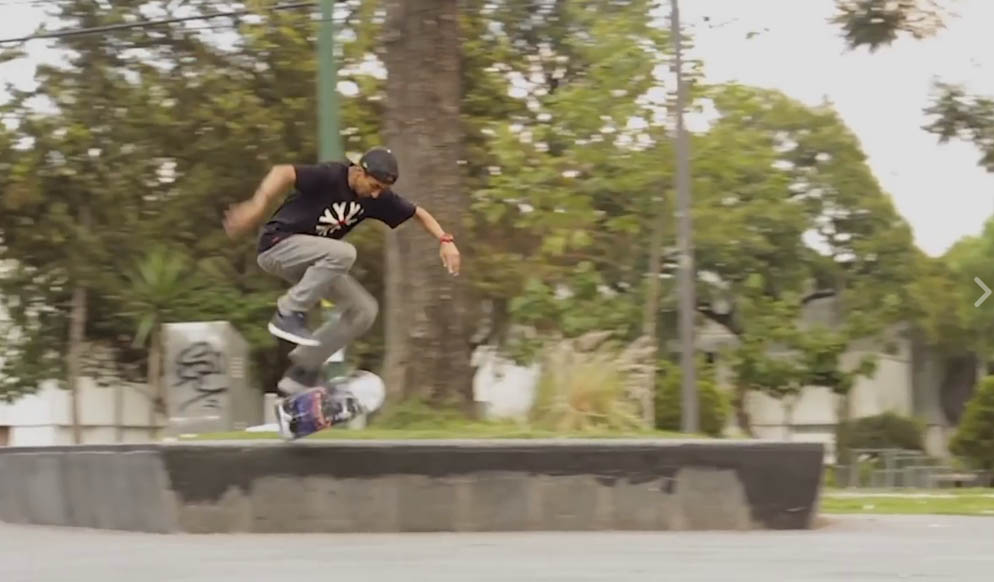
column 244, row 216
column 448, row 250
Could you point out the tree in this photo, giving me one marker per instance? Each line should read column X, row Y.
column 876, row 23
column 765, row 360
column 69, row 208
column 959, row 115
column 159, row 289
column 574, row 170
column 974, row 437
column 180, row 126
column 955, row 114
column 427, row 336
column 784, row 190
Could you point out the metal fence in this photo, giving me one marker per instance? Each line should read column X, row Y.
column 902, row 469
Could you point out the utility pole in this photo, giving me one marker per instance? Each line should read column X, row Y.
column 329, row 140
column 329, row 136
column 687, row 300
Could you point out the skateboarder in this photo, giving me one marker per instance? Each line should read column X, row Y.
column 302, row 244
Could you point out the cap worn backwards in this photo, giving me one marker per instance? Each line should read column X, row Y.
column 381, row 164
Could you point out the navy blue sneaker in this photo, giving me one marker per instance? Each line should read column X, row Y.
column 293, row 328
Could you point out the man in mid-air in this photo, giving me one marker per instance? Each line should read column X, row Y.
column 302, row 244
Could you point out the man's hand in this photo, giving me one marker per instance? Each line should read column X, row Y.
column 241, row 217
column 244, row 216
column 450, row 257
column 448, row 251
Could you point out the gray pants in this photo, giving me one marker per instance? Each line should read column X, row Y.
column 318, row 268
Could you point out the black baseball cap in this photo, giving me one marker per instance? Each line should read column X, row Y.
column 381, row 164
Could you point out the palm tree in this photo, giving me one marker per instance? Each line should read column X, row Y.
column 157, row 291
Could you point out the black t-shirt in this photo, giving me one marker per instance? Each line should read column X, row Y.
column 322, row 204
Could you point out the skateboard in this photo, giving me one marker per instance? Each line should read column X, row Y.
column 333, row 403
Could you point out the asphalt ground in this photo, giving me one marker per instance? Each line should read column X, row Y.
column 847, row 549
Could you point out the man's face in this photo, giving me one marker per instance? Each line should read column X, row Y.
column 367, row 185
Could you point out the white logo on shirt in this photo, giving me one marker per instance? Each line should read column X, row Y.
column 338, row 216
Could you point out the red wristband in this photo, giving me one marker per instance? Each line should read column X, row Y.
column 446, row 238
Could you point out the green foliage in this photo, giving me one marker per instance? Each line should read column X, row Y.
column 764, row 360
column 821, row 361
column 155, row 131
column 974, row 437
column 876, row 23
column 712, row 404
column 946, row 296
column 563, row 190
column 959, row 115
column 161, row 288
column 563, row 171
column 791, row 219
column 587, row 305
column 887, row 430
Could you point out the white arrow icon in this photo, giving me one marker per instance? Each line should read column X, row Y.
column 987, row 291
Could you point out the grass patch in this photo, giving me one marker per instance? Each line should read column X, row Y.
column 419, row 420
column 909, row 492
column 467, row 431
column 943, row 502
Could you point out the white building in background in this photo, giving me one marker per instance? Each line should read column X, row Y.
column 204, row 375
column 109, row 412
column 120, row 414
column 912, row 380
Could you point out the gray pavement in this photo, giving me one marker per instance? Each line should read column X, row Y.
column 848, row 549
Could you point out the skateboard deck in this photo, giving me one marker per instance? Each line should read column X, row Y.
column 334, row 403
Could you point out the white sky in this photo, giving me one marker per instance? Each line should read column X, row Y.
column 939, row 189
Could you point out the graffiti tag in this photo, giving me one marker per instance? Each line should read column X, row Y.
column 195, row 366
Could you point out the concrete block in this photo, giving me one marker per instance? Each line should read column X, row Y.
column 281, row 504
column 498, row 501
column 45, row 500
column 711, row 499
column 568, row 502
column 323, row 504
column 12, row 490
column 426, row 503
column 641, row 506
column 119, row 502
column 395, row 486
column 78, row 490
column 232, row 512
column 103, row 489
column 153, row 505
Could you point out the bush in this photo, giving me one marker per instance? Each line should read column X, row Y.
column 712, row 404
column 882, row 431
column 974, row 437
column 587, row 383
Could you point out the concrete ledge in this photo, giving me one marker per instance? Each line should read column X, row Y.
column 391, row 486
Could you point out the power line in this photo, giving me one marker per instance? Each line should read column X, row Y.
column 147, row 23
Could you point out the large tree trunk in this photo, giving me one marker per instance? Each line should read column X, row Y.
column 742, row 418
column 156, row 388
column 77, row 326
column 119, row 410
column 650, row 313
column 427, row 339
